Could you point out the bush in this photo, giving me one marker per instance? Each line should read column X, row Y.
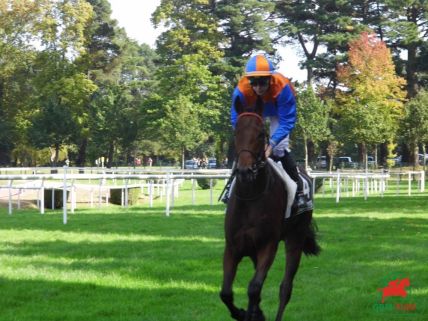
column 204, row 183
column 58, row 195
column 318, row 185
column 133, row 195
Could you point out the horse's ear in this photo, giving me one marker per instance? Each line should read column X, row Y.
column 259, row 105
column 238, row 105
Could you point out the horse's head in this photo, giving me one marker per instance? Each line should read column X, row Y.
column 249, row 142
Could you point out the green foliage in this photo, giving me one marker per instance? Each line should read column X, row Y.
column 325, row 23
column 74, row 53
column 414, row 126
column 204, row 183
column 415, row 121
column 117, row 194
column 371, row 103
column 313, row 118
column 58, row 198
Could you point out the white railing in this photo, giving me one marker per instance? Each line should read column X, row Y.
column 166, row 183
column 367, row 182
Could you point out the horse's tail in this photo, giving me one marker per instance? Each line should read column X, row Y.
column 311, row 246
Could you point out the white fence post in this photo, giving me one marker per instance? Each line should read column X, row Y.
column 151, row 193
column 211, row 191
column 338, row 186
column 64, row 197
column 42, row 197
column 409, row 190
column 126, row 193
column 10, row 196
column 168, row 195
column 193, row 190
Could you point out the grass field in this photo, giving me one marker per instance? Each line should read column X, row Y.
column 138, row 265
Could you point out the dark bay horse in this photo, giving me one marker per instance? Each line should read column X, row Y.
column 255, row 223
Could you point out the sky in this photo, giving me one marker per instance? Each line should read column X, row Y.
column 134, row 16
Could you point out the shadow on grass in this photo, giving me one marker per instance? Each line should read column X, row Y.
column 198, row 220
column 415, row 205
column 156, row 261
column 40, row 300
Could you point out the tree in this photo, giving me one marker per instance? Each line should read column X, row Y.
column 325, row 24
column 370, row 104
column 28, row 27
column 415, row 123
column 62, row 110
column 246, row 26
column 313, row 119
column 185, row 106
column 190, row 58
column 405, row 26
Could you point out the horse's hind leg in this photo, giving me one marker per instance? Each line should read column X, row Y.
column 230, row 264
column 293, row 256
column 264, row 261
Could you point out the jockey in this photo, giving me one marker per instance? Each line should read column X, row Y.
column 279, row 105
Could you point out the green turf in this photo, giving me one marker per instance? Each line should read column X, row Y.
column 139, row 265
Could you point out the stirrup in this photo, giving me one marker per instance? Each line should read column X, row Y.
column 302, row 204
column 225, row 197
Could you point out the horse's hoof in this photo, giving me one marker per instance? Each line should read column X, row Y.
column 256, row 316
column 241, row 315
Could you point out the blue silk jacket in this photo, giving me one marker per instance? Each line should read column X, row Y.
column 279, row 101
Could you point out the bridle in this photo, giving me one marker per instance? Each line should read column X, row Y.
column 260, row 156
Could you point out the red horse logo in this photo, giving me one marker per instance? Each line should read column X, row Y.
column 395, row 288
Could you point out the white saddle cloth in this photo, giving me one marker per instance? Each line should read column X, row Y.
column 289, row 184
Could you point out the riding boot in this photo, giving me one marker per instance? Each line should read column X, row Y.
column 301, row 201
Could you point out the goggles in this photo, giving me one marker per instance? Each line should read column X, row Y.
column 259, row 81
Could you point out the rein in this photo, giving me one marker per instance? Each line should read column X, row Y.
column 258, row 195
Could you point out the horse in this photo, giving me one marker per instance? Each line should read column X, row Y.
column 255, row 223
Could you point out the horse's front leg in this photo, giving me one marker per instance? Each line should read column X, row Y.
column 293, row 256
column 230, row 264
column 265, row 258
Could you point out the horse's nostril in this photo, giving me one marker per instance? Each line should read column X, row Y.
column 244, row 171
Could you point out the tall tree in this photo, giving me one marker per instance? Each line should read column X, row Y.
column 190, row 57
column 414, row 127
column 246, row 26
column 116, row 120
column 29, row 27
column 99, row 61
column 322, row 29
column 403, row 25
column 313, row 119
column 371, row 103
column 409, row 31
column 61, row 106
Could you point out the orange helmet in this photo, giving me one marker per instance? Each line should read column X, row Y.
column 259, row 66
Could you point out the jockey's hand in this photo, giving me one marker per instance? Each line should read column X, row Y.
column 268, row 151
